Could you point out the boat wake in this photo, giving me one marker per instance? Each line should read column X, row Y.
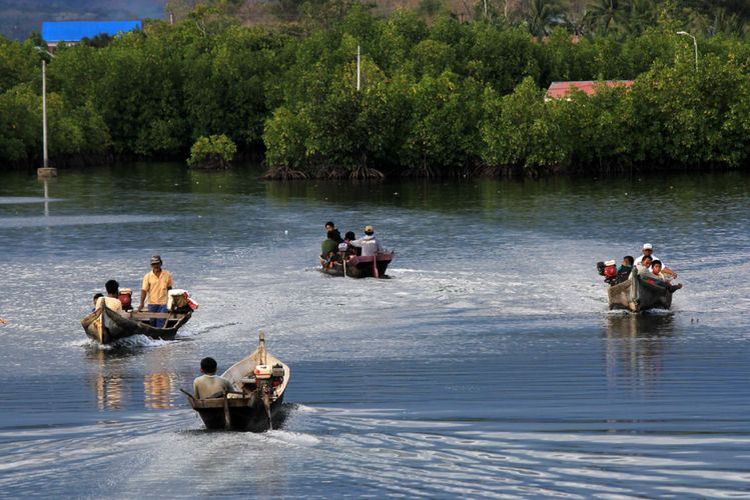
column 205, row 329
column 133, row 342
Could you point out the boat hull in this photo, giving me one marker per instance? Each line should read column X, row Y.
column 640, row 293
column 361, row 267
column 106, row 326
column 245, row 414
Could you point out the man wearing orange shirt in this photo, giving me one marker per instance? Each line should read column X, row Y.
column 155, row 287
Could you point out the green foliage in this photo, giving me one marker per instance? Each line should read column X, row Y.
column 441, row 130
column 439, row 96
column 18, row 64
column 519, row 129
column 595, row 130
column 213, row 151
column 20, row 124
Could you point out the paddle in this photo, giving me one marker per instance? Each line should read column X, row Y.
column 186, row 393
column 227, row 416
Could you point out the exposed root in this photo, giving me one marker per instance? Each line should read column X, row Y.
column 423, row 171
column 362, row 172
column 284, row 173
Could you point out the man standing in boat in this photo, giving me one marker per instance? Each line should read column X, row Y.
column 156, row 286
column 210, row 385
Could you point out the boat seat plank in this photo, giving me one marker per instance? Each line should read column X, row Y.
column 140, row 316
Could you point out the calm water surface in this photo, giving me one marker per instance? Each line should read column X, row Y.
column 487, row 366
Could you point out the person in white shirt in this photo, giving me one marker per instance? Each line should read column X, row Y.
column 111, row 300
column 644, row 264
column 648, row 249
column 369, row 243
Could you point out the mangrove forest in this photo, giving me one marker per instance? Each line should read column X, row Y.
column 440, row 94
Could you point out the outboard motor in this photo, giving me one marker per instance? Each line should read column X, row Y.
column 125, row 297
column 277, row 375
column 269, row 377
column 608, row 269
column 600, row 268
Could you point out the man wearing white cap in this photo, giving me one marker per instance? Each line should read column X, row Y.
column 369, row 243
column 648, row 249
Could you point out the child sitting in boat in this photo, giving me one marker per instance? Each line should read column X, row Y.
column 351, row 249
column 644, row 265
column 623, row 272
column 96, row 299
column 656, row 270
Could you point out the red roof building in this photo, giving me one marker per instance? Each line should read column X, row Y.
column 560, row 90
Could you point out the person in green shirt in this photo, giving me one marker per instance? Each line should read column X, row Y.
column 329, row 249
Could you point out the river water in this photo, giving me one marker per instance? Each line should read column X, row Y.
column 487, row 366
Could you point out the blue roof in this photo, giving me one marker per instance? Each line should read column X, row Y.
column 74, row 31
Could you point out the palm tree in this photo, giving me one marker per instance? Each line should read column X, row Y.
column 541, row 14
column 639, row 15
column 726, row 22
column 604, row 12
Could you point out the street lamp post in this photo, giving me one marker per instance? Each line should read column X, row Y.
column 45, row 171
column 695, row 46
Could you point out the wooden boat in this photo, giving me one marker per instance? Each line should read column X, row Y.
column 106, row 326
column 257, row 403
column 361, row 267
column 640, row 292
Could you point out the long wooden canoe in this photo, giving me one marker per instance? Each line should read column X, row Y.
column 107, row 326
column 640, row 292
column 361, row 267
column 257, row 403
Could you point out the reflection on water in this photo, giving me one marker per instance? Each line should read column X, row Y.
column 108, row 383
column 635, row 346
column 111, row 385
column 46, row 198
column 109, row 391
column 157, row 391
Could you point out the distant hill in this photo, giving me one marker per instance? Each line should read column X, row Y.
column 19, row 17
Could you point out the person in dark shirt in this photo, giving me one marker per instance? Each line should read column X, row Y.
column 623, row 272
column 351, row 249
column 330, row 226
